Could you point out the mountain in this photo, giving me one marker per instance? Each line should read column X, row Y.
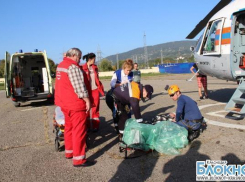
column 169, row 49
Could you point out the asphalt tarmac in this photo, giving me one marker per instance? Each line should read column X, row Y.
column 27, row 151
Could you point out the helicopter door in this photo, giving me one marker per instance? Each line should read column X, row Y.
column 238, row 45
column 6, row 74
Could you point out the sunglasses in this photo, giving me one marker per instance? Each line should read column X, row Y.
column 172, row 95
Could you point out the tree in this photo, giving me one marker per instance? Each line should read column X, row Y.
column 52, row 66
column 114, row 68
column 2, row 65
column 190, row 59
column 120, row 64
column 105, row 65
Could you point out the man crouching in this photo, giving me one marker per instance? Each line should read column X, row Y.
column 187, row 114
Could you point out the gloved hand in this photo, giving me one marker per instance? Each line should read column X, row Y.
column 159, row 118
column 146, row 122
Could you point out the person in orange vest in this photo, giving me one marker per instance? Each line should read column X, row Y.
column 130, row 93
column 72, row 96
column 120, row 77
column 97, row 89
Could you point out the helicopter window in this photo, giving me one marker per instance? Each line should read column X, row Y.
column 212, row 38
column 240, row 25
column 198, row 43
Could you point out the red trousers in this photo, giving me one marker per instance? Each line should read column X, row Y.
column 75, row 135
column 94, row 114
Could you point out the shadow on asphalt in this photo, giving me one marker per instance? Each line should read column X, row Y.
column 155, row 95
column 189, row 92
column 232, row 159
column 183, row 167
column 37, row 104
column 136, row 169
column 221, row 95
column 140, row 168
column 151, row 114
column 106, row 133
column 142, row 108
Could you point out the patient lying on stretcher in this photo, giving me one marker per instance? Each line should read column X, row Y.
column 59, row 119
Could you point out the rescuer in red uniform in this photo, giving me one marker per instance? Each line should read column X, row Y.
column 97, row 88
column 72, row 96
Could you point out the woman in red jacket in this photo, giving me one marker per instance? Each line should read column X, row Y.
column 96, row 87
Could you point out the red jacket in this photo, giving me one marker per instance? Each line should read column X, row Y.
column 96, row 74
column 65, row 97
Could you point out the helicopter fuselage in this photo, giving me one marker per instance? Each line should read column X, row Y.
column 220, row 51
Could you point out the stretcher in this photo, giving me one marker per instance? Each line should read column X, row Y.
column 59, row 127
column 160, row 134
column 138, row 140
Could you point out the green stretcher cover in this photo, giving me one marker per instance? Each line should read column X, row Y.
column 165, row 137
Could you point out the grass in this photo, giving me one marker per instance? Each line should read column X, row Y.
column 105, row 78
column 1, row 86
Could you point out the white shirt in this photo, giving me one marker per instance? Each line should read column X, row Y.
column 92, row 78
column 124, row 78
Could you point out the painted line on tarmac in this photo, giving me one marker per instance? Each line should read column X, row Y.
column 209, row 105
column 226, row 125
column 215, row 113
column 217, row 123
column 31, row 109
column 235, row 117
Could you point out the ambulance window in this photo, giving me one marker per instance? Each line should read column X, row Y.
column 212, row 38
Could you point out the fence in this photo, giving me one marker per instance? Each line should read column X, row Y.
column 176, row 68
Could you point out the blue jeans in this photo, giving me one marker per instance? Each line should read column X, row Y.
column 189, row 124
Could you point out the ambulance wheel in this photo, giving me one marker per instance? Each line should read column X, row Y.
column 57, row 145
column 16, row 104
column 50, row 101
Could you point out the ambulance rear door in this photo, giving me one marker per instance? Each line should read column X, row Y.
column 7, row 74
column 48, row 76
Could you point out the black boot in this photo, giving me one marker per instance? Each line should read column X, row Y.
column 193, row 134
column 120, row 136
column 117, row 130
column 122, row 145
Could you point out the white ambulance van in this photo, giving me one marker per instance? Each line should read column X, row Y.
column 28, row 77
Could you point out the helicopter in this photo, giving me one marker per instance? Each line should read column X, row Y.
column 220, row 50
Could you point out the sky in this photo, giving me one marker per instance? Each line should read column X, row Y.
column 113, row 26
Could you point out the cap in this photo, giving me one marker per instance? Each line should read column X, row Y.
column 149, row 90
